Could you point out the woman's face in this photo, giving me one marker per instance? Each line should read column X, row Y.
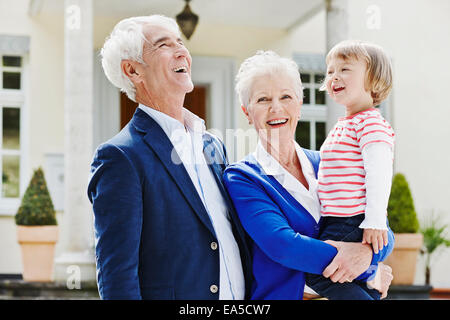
column 274, row 108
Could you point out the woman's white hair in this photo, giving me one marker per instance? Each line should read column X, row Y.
column 126, row 41
column 265, row 63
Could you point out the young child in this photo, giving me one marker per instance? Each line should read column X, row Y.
column 356, row 159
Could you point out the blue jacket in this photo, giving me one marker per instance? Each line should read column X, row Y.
column 153, row 234
column 283, row 232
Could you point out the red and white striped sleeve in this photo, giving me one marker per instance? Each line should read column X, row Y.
column 373, row 128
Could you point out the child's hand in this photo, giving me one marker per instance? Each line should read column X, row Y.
column 378, row 238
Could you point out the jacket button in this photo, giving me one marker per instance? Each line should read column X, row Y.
column 214, row 245
column 213, row 288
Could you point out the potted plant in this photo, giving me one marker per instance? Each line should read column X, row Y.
column 403, row 222
column 37, row 230
column 433, row 238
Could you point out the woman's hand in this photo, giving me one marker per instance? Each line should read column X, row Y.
column 382, row 280
column 352, row 259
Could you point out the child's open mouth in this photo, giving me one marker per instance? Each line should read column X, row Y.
column 337, row 89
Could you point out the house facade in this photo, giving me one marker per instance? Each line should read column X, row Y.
column 56, row 105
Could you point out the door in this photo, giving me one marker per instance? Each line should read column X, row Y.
column 194, row 101
column 127, row 109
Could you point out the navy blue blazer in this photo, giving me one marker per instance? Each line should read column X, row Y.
column 153, row 234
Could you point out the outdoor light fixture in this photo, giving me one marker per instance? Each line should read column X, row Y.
column 187, row 20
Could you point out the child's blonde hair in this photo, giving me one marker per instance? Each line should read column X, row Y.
column 379, row 69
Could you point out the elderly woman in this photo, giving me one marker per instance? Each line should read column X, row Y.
column 274, row 192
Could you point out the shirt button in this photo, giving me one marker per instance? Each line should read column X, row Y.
column 214, row 245
column 213, row 288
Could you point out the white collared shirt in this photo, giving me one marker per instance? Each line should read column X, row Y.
column 308, row 198
column 187, row 140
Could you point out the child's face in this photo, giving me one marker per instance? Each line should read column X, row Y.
column 345, row 84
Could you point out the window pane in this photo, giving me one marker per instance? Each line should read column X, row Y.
column 11, row 80
column 320, row 134
column 10, row 176
column 318, row 78
column 320, row 97
column 302, row 135
column 306, row 96
column 12, row 61
column 305, row 77
column 11, row 128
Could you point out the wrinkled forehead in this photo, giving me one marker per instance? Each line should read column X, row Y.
column 155, row 32
column 278, row 80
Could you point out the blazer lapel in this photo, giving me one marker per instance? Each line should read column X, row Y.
column 157, row 140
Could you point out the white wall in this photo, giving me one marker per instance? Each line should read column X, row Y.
column 43, row 106
column 45, row 96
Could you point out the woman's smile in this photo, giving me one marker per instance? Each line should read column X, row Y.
column 276, row 123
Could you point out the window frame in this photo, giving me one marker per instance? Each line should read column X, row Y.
column 14, row 98
column 312, row 63
column 312, row 112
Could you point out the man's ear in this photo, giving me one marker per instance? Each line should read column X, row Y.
column 129, row 68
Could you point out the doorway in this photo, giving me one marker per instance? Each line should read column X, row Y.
column 194, row 101
column 127, row 109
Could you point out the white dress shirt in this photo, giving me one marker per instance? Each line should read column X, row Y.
column 308, row 198
column 187, row 140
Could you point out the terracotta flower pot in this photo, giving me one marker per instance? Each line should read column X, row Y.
column 38, row 247
column 403, row 258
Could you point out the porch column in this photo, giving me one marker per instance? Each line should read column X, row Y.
column 76, row 262
column 337, row 30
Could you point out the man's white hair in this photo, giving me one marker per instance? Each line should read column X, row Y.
column 126, row 41
column 265, row 63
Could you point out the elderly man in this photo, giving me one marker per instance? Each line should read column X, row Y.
column 164, row 225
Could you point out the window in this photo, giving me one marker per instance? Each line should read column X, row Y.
column 311, row 134
column 11, row 102
column 311, row 88
column 11, row 72
column 311, row 131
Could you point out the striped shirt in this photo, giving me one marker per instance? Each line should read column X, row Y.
column 342, row 170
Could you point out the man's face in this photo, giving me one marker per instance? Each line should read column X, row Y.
column 168, row 62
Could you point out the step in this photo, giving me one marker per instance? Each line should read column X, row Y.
column 15, row 289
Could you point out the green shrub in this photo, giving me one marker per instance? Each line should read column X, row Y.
column 401, row 213
column 36, row 208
